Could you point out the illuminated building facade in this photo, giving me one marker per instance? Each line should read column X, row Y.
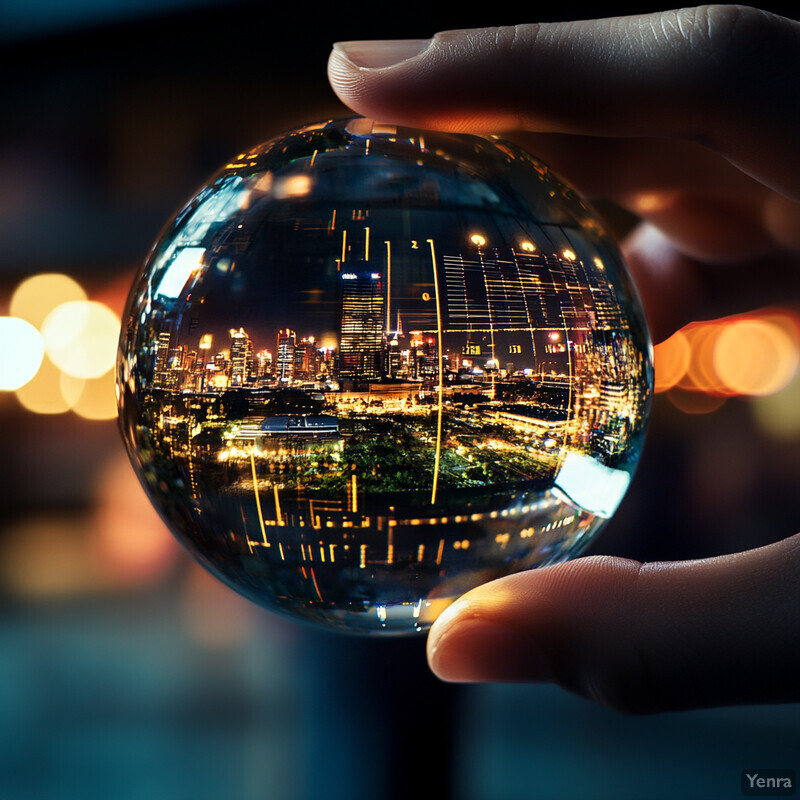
column 241, row 358
column 285, row 360
column 361, row 302
column 305, row 358
column 162, row 378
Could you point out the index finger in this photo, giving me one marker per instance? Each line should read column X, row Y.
column 723, row 76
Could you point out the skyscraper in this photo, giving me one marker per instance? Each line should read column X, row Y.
column 285, row 359
column 241, row 358
column 361, row 304
column 304, row 352
column 161, row 377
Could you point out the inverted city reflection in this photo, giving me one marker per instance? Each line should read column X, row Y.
column 368, row 368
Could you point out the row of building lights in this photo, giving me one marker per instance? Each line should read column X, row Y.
column 58, row 347
column 479, row 240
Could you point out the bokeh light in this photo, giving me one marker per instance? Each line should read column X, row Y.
column 755, row 357
column 700, row 374
column 37, row 296
column 95, row 398
column 671, row 359
column 81, row 338
column 129, row 540
column 779, row 414
column 695, row 402
column 21, row 352
column 42, row 395
column 57, row 351
column 747, row 355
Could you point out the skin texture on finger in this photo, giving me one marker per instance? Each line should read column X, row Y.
column 712, row 74
column 639, row 638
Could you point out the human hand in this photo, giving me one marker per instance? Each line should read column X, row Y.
column 690, row 119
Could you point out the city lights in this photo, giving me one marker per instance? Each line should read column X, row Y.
column 395, row 387
column 293, row 186
column 80, row 338
column 399, row 376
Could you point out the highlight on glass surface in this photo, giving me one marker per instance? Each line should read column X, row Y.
column 367, row 368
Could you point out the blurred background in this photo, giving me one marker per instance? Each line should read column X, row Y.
column 126, row 671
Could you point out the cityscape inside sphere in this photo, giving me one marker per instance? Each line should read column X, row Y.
column 368, row 368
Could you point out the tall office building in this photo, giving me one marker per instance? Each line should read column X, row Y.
column 241, row 358
column 161, row 377
column 304, row 352
column 285, row 355
column 361, row 315
column 263, row 364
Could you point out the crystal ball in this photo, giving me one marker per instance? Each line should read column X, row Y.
column 367, row 368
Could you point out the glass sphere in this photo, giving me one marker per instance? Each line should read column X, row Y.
column 367, row 368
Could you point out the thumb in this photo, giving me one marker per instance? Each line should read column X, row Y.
column 639, row 638
column 713, row 74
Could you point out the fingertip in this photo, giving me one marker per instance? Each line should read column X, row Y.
column 378, row 54
column 354, row 65
column 516, row 629
column 638, row 638
column 465, row 648
column 444, row 639
column 342, row 74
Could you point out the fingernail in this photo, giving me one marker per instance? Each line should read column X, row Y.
column 479, row 651
column 381, row 53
